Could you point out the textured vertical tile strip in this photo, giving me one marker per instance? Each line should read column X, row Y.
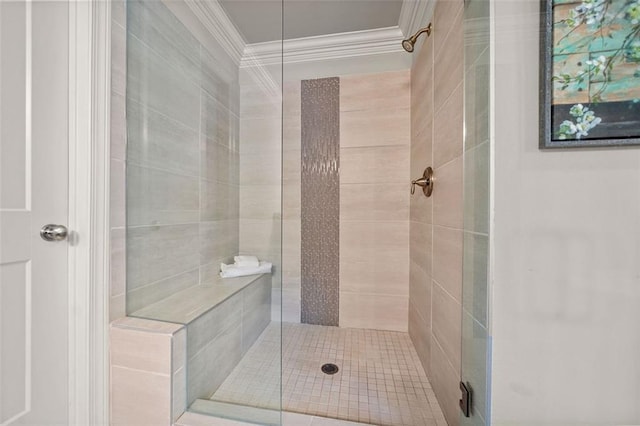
column 320, row 204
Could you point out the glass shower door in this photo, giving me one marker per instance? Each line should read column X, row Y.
column 476, row 342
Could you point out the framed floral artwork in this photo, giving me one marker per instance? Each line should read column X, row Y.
column 590, row 75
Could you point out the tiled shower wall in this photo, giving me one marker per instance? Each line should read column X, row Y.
column 374, row 193
column 435, row 301
column 179, row 153
column 261, row 175
column 374, row 200
column 182, row 157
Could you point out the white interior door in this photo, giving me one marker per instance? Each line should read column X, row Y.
column 34, row 94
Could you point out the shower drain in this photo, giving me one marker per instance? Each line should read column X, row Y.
column 329, row 369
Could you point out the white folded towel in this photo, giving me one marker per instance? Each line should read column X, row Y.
column 229, row 271
column 251, row 261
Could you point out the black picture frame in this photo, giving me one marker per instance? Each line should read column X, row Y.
column 610, row 110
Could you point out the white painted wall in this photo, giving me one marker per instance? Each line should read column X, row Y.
column 566, row 277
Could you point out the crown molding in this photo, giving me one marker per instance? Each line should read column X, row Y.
column 414, row 15
column 217, row 22
column 317, row 48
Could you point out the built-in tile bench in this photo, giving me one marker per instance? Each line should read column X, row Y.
column 167, row 355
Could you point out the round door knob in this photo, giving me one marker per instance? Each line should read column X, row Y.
column 54, row 232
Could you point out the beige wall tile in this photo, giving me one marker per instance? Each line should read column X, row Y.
column 422, row 112
column 447, row 259
column 179, row 349
column 422, row 69
column 420, row 291
column 142, row 324
column 360, row 240
column 260, row 202
column 261, row 168
column 118, row 12
column 179, row 393
column 291, row 201
column 118, row 58
column 374, row 202
column 141, row 297
column 218, row 122
column 118, row 273
column 378, row 312
column 446, row 325
column 257, row 102
column 388, row 91
column 207, row 369
column 447, row 195
column 140, row 398
column 421, row 245
column 118, row 135
column 219, row 162
column 292, row 133
column 260, row 135
column 256, row 311
column 422, row 88
column 374, row 257
column 291, row 253
column 443, row 18
column 378, row 275
column 375, row 127
column 159, row 197
column 218, row 240
column 447, row 129
column 444, row 381
column 291, row 305
column 291, row 167
column 449, row 59
column 179, row 377
column 161, row 252
column 117, row 307
column 420, row 334
column 422, row 149
column 421, row 208
column 140, row 350
column 118, row 194
column 260, row 235
column 218, row 201
column 291, row 104
column 374, row 165
column 208, row 326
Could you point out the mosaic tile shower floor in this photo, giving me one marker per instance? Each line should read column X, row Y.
column 381, row 380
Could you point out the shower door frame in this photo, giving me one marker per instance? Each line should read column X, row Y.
column 89, row 247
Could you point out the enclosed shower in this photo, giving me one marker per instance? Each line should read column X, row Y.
column 292, row 132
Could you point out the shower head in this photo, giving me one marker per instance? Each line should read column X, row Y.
column 409, row 43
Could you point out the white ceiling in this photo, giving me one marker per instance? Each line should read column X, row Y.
column 262, row 20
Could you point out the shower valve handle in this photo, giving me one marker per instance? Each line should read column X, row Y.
column 426, row 182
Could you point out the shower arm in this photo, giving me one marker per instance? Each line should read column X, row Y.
column 426, row 29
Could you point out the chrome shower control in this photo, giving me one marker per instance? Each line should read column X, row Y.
column 54, row 232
